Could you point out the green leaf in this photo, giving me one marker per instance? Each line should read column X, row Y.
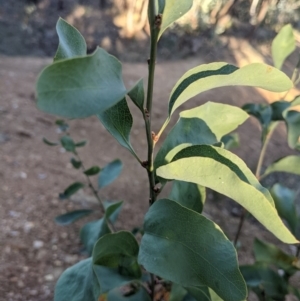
column 189, row 195
column 68, row 144
column 206, row 124
column 92, row 171
column 292, row 119
column 231, row 141
column 49, row 142
column 284, row 199
column 80, row 144
column 283, row 45
column 172, row 11
column 82, row 86
column 78, row 283
column 214, row 75
column 264, row 281
column 71, row 217
column 63, row 126
column 92, row 231
column 109, row 173
column 117, row 253
column 137, row 95
column 200, row 293
column 290, row 164
column 117, row 294
column 173, row 248
column 278, row 108
column 220, row 170
column 270, row 254
column 71, row 42
column 76, row 164
column 177, row 293
column 262, row 112
column 72, row 189
column 214, row 296
column 118, row 122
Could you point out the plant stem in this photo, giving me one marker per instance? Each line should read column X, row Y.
column 148, row 112
column 96, row 194
column 258, row 176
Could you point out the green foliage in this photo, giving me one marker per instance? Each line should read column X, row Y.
column 179, row 246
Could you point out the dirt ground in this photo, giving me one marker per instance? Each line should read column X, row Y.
column 34, row 250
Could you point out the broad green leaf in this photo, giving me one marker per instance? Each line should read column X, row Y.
column 290, row 164
column 188, row 195
column 117, row 253
column 72, row 189
column 172, row 11
column 78, row 283
column 63, row 126
column 92, row 231
column 206, row 124
column 137, row 95
column 292, row 119
column 173, row 248
column 118, row 122
column 284, row 199
column 224, row 172
column 231, row 141
column 68, row 144
column 92, row 171
column 270, row 254
column 71, row 217
column 264, row 281
column 109, row 173
column 46, row 141
column 214, row 296
column 71, row 42
column 283, row 45
column 118, row 294
column 82, row 86
column 214, row 75
column 76, row 164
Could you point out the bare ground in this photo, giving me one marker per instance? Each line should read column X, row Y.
column 34, row 250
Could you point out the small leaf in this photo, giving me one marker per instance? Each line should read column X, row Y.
column 189, row 195
column 72, row 189
column 118, row 253
column 109, row 173
column 290, row 164
column 92, row 171
column 220, row 170
column 214, row 75
column 78, row 283
column 71, row 217
column 206, row 257
column 278, row 107
column 262, row 112
column 284, row 199
column 63, row 126
column 264, row 281
column 283, row 45
column 78, row 87
column 80, row 144
column 231, row 141
column 270, row 254
column 76, row 164
column 201, row 292
column 68, row 144
column 71, row 42
column 92, row 231
column 49, row 142
column 118, row 122
column 171, row 11
column 137, row 95
column 177, row 293
column 292, row 119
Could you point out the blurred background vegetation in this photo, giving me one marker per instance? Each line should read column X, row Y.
column 27, row 27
